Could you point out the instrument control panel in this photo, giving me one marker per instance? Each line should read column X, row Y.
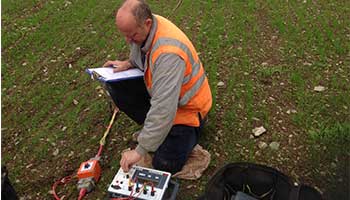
column 140, row 183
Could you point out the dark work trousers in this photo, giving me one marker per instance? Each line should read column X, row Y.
column 132, row 98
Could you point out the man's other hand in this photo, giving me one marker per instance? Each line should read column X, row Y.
column 118, row 65
column 128, row 159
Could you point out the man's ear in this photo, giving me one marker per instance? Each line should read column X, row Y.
column 148, row 22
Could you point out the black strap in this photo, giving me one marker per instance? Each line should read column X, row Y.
column 294, row 193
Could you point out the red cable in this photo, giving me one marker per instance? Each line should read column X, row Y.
column 67, row 179
column 99, row 151
column 82, row 193
column 63, row 181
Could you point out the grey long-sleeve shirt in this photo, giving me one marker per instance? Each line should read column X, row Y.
column 167, row 76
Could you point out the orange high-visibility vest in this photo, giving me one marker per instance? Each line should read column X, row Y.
column 195, row 96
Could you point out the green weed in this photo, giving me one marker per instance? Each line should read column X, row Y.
column 338, row 134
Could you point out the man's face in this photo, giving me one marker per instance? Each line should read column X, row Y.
column 135, row 34
column 133, row 31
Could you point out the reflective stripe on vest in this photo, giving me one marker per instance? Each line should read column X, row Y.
column 182, row 46
column 191, row 92
column 195, row 67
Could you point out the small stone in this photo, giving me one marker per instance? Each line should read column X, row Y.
column 319, row 88
column 264, row 64
column 221, row 83
column 70, row 66
column 274, row 145
column 24, row 64
column 64, row 128
column 216, row 138
column 262, row 145
column 258, row 131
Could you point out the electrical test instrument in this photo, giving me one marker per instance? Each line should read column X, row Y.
column 140, row 183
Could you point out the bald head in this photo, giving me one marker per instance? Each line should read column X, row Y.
column 125, row 20
column 134, row 20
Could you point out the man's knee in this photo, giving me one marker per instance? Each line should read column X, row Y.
column 168, row 165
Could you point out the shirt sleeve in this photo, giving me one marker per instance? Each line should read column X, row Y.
column 132, row 55
column 167, row 77
column 135, row 56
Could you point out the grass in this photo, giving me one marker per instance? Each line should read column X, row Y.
column 338, row 133
column 270, row 56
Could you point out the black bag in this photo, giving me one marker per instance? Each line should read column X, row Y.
column 7, row 191
column 247, row 181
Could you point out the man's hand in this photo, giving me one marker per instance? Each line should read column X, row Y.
column 118, row 65
column 128, row 159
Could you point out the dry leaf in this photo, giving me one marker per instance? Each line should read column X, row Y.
column 221, row 83
column 75, row 102
column 319, row 88
column 55, row 153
